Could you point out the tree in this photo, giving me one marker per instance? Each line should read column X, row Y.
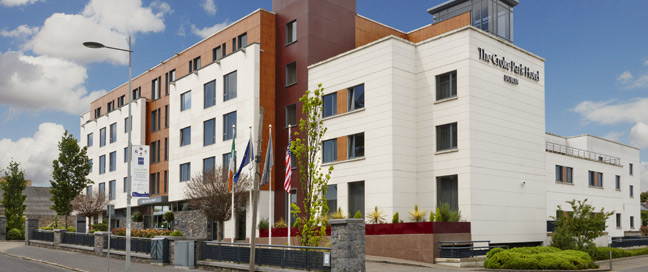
column 69, row 176
column 314, row 180
column 208, row 192
column 644, row 197
column 90, row 205
column 578, row 229
column 13, row 199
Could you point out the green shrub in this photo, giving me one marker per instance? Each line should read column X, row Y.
column 46, row 228
column 15, row 234
column 71, row 229
column 417, row 215
column 137, row 217
column 264, row 224
column 644, row 218
column 357, row 215
column 603, row 253
column 445, row 214
column 431, row 216
column 168, row 217
column 176, row 233
column 395, row 218
column 99, row 227
column 547, row 258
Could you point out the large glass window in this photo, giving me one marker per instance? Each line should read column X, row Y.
column 113, row 161
column 595, row 179
column 291, row 74
column 291, row 115
column 242, row 40
column 210, row 94
column 102, row 137
column 357, row 198
column 356, row 145
column 291, row 32
column 209, row 164
column 185, row 172
column 102, row 164
column 112, row 187
column 89, row 190
column 330, row 105
column 185, row 136
column 446, row 85
column 447, row 191
column 185, row 101
column 329, row 150
column 446, row 137
column 229, row 86
column 102, row 188
column 229, row 120
column 209, row 133
column 216, row 53
column 331, row 197
column 355, row 97
column 90, row 140
column 564, row 174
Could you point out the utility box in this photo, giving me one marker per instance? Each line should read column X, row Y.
column 80, row 223
column 159, row 250
column 184, row 254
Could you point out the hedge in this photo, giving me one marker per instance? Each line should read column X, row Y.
column 603, row 253
column 549, row 258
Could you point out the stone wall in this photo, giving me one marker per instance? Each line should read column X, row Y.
column 192, row 224
column 347, row 244
column 3, row 228
column 46, row 220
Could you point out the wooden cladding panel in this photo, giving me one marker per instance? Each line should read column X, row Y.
column 267, row 88
column 342, row 101
column 564, row 173
column 368, row 31
column 342, row 148
column 439, row 28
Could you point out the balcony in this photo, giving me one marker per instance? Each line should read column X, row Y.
column 583, row 154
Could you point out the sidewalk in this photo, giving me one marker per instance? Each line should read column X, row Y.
column 74, row 261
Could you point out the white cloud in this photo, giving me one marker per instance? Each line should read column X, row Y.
column 208, row 31
column 13, row 3
column 34, row 154
column 625, row 76
column 639, row 135
column 42, row 82
column 610, row 112
column 103, row 21
column 645, row 62
column 209, row 6
column 22, row 31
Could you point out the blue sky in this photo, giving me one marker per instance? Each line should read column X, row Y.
column 596, row 61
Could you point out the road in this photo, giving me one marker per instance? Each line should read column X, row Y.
column 18, row 264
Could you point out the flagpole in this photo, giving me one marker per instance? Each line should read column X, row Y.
column 232, row 185
column 289, row 199
column 269, row 195
column 251, row 185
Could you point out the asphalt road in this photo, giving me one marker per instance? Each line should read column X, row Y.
column 18, row 264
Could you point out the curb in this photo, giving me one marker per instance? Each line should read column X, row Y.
column 44, row 262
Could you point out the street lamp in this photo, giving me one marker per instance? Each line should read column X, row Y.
column 96, row 45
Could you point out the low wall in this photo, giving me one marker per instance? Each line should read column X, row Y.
column 192, row 223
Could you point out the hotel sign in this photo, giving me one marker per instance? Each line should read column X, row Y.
column 509, row 65
column 140, row 170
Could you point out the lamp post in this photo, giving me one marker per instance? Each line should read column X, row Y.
column 96, row 45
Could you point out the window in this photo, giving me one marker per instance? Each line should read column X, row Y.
column 631, row 190
column 233, row 44
column 226, row 160
column 154, row 148
column 102, row 188
column 617, row 182
column 209, row 164
column 126, row 154
column 446, row 137
column 194, row 65
column 166, row 149
column 446, row 85
column 242, row 40
column 166, row 83
column 185, row 136
column 185, row 101
column 329, row 105
column 121, row 101
column 111, row 106
column 91, row 165
column 291, row 74
column 229, row 120
column 136, row 93
column 155, row 120
column 356, row 197
column 595, row 179
column 224, row 46
column 631, row 170
column 288, row 207
column 166, row 182
column 166, row 116
column 90, row 140
column 564, row 174
column 447, row 191
column 112, row 187
column 210, row 94
column 293, row 160
column 209, row 132
column 229, row 86
column 355, row 97
column 127, row 124
column 102, row 137
column 291, row 115
column 291, row 32
column 113, row 161
column 102, row 164
column 632, row 222
column 329, row 151
column 113, row 133
column 97, row 112
column 356, row 145
column 172, row 77
column 331, row 198
column 89, row 190
column 618, row 220
column 217, row 53
column 152, row 184
column 185, row 170
column 125, row 184
column 155, row 89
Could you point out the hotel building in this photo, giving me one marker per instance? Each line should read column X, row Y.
column 451, row 112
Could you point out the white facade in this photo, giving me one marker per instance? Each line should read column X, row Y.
column 245, row 104
column 118, row 117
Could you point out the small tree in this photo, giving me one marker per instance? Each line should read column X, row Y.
column 90, row 205
column 13, row 199
column 137, row 217
column 69, row 175
column 578, row 229
column 644, row 197
column 208, row 192
column 314, row 180
column 168, row 218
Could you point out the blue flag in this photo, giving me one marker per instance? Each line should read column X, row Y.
column 247, row 158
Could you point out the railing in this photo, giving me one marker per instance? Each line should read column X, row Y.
column 629, row 241
column 576, row 152
column 296, row 257
column 43, row 235
column 81, row 239
column 463, row 249
column 138, row 244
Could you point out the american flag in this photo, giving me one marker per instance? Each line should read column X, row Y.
column 287, row 185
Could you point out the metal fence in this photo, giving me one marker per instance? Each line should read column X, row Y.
column 43, row 235
column 566, row 150
column 296, row 257
column 138, row 244
column 629, row 241
column 463, row 249
column 81, row 239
